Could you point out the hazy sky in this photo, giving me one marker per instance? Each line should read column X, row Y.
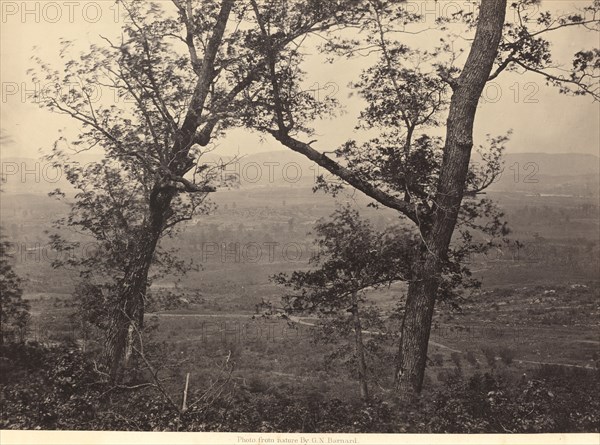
column 542, row 120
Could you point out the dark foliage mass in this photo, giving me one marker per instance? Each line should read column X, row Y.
column 59, row 388
column 14, row 311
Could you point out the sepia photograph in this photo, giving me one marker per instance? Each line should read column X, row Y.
column 300, row 221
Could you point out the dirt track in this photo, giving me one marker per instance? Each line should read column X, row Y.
column 302, row 321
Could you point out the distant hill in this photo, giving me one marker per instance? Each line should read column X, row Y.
column 563, row 174
column 561, row 164
column 31, row 176
column 526, row 172
column 566, row 173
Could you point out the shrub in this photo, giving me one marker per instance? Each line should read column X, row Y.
column 552, row 401
column 470, row 356
column 47, row 388
column 507, row 355
column 456, row 359
column 490, row 356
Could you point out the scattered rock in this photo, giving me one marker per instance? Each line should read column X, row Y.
column 578, row 286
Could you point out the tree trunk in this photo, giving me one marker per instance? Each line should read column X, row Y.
column 128, row 314
column 423, row 287
column 360, row 353
column 416, row 327
column 129, row 311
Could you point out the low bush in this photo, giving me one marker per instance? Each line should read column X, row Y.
column 550, row 401
column 507, row 355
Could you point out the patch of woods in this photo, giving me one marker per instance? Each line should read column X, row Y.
column 193, row 70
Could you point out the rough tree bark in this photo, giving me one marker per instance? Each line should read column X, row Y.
column 128, row 314
column 467, row 89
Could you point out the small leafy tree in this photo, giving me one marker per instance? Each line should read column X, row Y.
column 352, row 258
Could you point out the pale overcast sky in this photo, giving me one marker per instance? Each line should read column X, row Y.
column 542, row 120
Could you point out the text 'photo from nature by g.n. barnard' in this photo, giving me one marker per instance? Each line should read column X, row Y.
column 300, row 216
